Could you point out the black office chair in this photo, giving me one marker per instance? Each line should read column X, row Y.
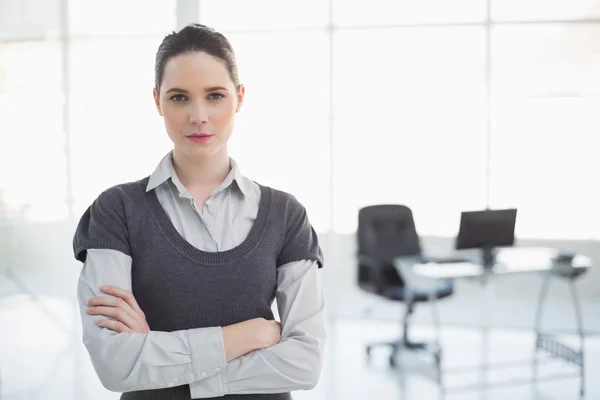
column 385, row 233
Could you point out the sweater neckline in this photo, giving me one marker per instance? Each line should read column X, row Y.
column 207, row 257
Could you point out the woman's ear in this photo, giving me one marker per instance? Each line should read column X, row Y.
column 241, row 92
column 157, row 101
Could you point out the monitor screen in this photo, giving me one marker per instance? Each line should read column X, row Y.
column 486, row 229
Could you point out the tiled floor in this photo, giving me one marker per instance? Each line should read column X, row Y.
column 43, row 358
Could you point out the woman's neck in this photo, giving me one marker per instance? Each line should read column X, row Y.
column 201, row 172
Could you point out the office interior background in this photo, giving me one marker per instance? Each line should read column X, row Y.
column 442, row 106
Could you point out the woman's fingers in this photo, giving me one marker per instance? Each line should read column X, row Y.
column 125, row 295
column 121, row 306
column 116, row 302
column 114, row 312
column 116, row 326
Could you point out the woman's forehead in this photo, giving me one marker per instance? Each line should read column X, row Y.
column 195, row 69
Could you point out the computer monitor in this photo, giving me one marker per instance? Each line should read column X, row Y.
column 486, row 230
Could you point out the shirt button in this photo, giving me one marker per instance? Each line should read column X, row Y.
column 203, row 373
column 217, row 369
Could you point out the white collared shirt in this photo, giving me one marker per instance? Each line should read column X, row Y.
column 223, row 223
column 233, row 204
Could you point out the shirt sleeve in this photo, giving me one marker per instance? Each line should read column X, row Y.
column 134, row 361
column 296, row 362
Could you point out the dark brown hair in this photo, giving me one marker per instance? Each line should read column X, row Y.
column 192, row 38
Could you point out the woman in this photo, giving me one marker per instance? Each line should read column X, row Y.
column 195, row 254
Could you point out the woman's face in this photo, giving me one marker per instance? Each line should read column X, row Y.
column 198, row 101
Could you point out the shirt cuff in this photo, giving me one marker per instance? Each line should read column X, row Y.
column 208, row 351
column 208, row 387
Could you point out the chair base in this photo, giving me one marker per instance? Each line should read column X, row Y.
column 431, row 348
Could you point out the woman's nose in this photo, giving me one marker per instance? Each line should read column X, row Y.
column 199, row 114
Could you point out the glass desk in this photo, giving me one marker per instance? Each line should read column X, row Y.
column 510, row 262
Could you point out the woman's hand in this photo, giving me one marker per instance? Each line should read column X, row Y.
column 250, row 335
column 123, row 307
column 266, row 332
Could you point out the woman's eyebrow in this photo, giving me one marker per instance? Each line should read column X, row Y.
column 176, row 90
column 208, row 89
column 214, row 88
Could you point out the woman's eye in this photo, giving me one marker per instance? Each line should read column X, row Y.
column 178, row 97
column 215, row 96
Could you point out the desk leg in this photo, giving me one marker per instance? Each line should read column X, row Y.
column 486, row 325
column 552, row 343
column 437, row 351
column 581, row 360
column 538, row 323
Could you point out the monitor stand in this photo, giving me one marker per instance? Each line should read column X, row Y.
column 488, row 257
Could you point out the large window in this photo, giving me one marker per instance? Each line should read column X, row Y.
column 546, row 97
column 32, row 140
column 411, row 110
column 33, row 183
column 441, row 105
column 409, row 123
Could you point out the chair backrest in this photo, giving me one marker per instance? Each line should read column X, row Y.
column 385, row 232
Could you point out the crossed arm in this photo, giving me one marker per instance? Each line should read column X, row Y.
column 255, row 356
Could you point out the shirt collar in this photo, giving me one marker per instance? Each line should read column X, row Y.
column 161, row 173
column 243, row 183
column 165, row 171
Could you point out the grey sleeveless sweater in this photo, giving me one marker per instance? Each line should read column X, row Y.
column 181, row 287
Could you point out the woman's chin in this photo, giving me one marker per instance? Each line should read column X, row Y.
column 194, row 150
